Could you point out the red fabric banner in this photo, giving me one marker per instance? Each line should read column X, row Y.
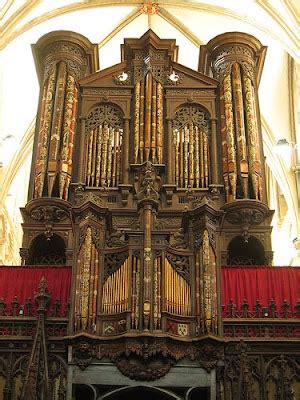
column 260, row 283
column 23, row 283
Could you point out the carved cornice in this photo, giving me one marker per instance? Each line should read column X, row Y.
column 72, row 47
column 146, row 358
column 223, row 50
column 46, row 210
column 249, row 212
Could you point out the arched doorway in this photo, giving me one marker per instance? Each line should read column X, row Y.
column 250, row 252
column 139, row 393
column 47, row 251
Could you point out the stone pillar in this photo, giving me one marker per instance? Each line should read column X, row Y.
column 236, row 60
column 62, row 58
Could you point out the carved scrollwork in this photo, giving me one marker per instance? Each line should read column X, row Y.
column 104, row 113
column 48, row 214
column 141, row 370
column 181, row 265
column 192, row 114
column 248, row 215
column 112, row 262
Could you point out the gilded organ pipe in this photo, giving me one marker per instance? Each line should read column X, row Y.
column 44, row 134
column 242, row 159
column 137, row 94
column 68, row 136
column 103, row 161
column 160, row 113
column 153, row 123
column 231, row 147
column 177, row 292
column 191, row 154
column 142, row 123
column 115, row 291
column 192, row 148
column 148, row 114
column 253, row 138
column 148, row 120
column 57, row 121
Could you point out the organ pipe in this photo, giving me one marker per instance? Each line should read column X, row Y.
column 177, row 292
column 103, row 162
column 148, row 120
column 192, row 154
column 115, row 291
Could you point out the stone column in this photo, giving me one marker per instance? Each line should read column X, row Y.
column 62, row 58
column 236, row 60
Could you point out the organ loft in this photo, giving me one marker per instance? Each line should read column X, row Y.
column 146, row 178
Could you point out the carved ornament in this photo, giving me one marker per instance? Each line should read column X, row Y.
column 116, row 239
column 147, row 359
column 104, row 113
column 83, row 354
column 48, row 214
column 112, row 262
column 82, row 198
column 147, row 184
column 181, row 264
column 179, row 240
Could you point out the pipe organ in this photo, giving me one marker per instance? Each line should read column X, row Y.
column 147, row 171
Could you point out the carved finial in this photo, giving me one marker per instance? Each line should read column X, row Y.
column 42, row 296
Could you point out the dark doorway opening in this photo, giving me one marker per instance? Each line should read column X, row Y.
column 47, row 251
column 83, row 392
column 241, row 252
column 139, row 393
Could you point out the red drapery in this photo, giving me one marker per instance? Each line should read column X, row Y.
column 23, row 283
column 260, row 283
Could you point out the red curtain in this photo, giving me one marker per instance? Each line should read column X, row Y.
column 260, row 283
column 23, row 283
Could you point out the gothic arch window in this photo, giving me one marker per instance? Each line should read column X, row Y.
column 48, row 251
column 191, row 133
column 104, row 133
column 241, row 252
